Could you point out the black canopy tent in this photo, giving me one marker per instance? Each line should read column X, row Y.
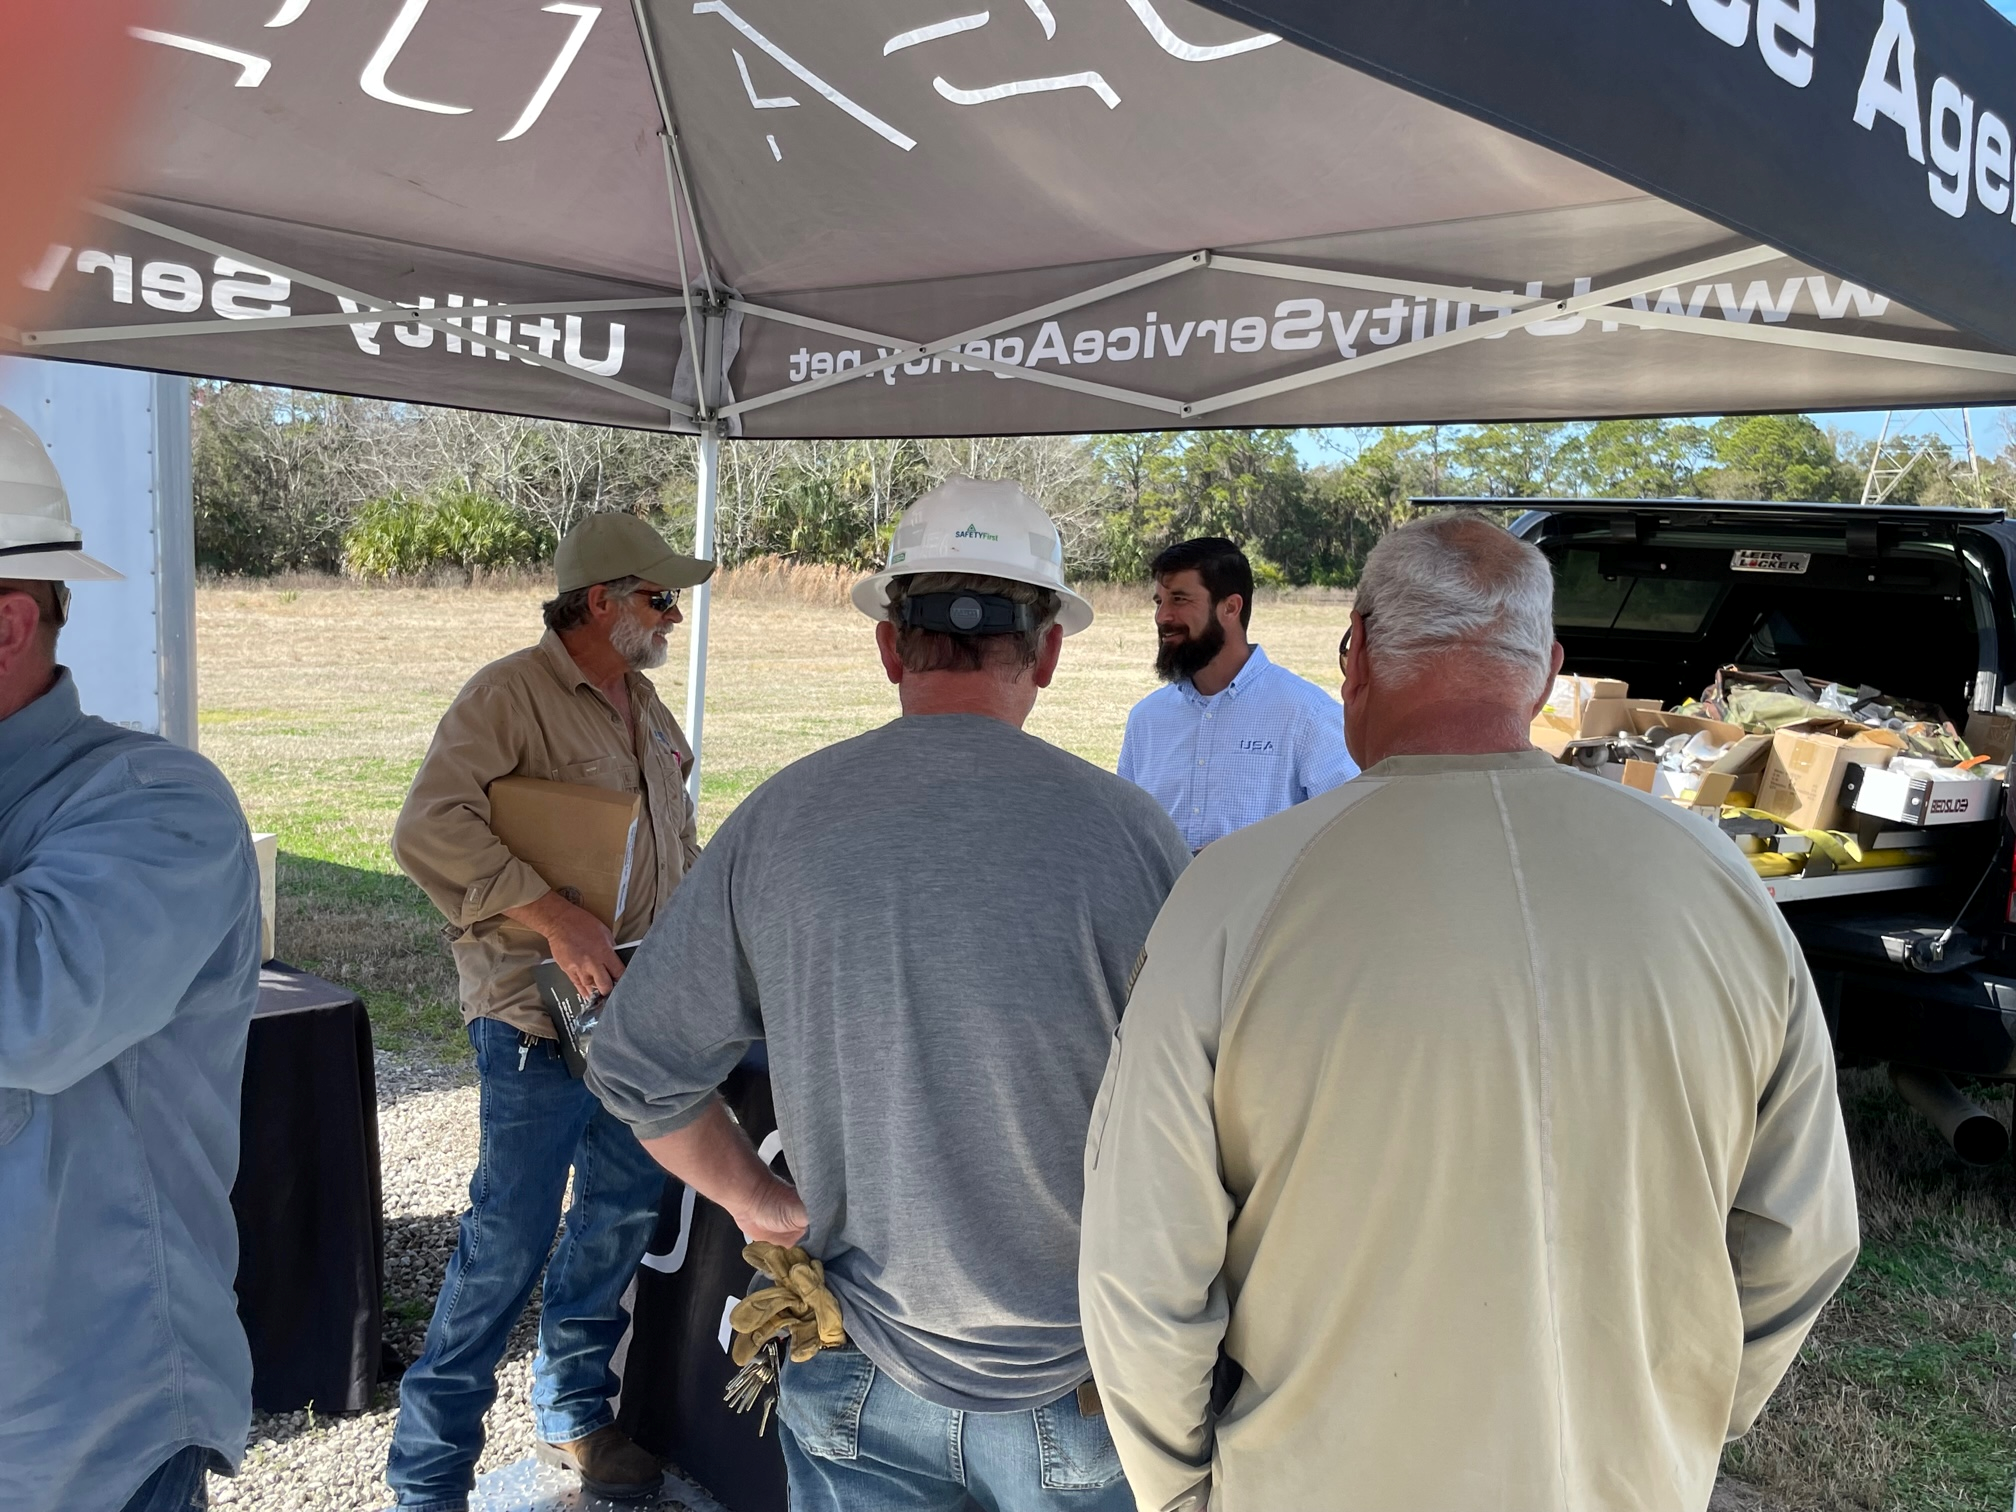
column 921, row 217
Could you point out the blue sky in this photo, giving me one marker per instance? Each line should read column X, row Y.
column 1993, row 428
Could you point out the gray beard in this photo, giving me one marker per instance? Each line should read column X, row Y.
column 636, row 644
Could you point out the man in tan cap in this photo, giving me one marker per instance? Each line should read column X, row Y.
column 575, row 708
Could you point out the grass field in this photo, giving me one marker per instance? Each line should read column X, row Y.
column 318, row 701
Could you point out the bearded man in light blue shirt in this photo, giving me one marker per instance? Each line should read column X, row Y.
column 129, row 965
column 1232, row 738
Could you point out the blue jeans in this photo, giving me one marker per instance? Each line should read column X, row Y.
column 855, row 1441
column 178, row 1486
column 537, row 1122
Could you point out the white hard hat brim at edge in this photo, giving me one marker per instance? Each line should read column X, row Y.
column 871, row 595
column 58, row 565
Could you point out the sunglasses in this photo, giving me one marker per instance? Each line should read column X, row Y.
column 663, row 600
column 1344, row 647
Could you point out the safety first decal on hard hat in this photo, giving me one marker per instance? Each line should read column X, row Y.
column 992, row 529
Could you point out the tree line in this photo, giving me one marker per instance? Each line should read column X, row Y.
column 294, row 481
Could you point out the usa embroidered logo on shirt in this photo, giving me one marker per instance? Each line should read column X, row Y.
column 1257, row 747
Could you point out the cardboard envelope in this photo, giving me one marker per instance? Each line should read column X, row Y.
column 576, row 837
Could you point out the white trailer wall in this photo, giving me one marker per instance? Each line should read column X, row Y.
column 120, row 439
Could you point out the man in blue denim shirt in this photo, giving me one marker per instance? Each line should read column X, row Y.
column 129, row 964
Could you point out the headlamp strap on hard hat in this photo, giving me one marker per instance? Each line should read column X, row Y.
column 963, row 612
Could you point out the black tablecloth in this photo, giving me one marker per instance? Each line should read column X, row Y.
column 677, row 1366
column 311, row 1233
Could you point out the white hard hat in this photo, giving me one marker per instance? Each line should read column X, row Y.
column 37, row 539
column 991, row 529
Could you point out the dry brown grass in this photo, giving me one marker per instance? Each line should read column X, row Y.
column 319, row 697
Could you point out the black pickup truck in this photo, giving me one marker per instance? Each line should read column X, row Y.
column 1917, row 969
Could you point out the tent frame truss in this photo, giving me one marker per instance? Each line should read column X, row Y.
column 705, row 312
column 703, row 309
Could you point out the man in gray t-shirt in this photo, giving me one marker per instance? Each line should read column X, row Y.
column 932, row 926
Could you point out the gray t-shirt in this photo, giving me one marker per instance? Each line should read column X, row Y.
column 932, row 925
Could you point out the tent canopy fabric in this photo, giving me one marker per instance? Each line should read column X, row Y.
column 920, row 217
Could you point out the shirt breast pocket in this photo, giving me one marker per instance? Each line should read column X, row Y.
column 602, row 772
column 17, row 1106
column 663, row 755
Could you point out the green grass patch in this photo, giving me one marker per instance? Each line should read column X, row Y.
column 1937, row 1260
column 408, row 1309
column 1905, row 1395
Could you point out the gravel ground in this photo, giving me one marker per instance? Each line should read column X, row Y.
column 314, row 1462
column 310, row 1462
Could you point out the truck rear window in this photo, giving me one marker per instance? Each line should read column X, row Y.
column 1585, row 597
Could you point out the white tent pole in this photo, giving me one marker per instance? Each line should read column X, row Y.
column 678, row 196
column 1965, row 359
column 703, row 596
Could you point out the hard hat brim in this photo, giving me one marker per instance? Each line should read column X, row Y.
column 58, row 566
column 871, row 595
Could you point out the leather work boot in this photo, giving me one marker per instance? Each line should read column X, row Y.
column 609, row 1464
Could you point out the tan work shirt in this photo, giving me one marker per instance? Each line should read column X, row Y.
column 1485, row 1113
column 533, row 714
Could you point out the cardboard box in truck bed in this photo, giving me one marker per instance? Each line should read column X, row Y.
column 1802, row 777
column 1581, row 708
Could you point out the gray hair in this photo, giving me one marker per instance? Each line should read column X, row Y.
column 930, row 651
column 1457, row 582
column 565, row 611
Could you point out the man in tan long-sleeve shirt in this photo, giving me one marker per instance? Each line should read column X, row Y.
column 575, row 708
column 1476, row 1120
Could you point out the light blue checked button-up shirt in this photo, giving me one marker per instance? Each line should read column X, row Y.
column 1269, row 740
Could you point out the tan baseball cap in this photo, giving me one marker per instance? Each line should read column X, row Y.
column 605, row 547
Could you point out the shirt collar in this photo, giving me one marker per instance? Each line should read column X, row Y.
column 1256, row 663
column 1489, row 761
column 42, row 722
column 561, row 661
column 563, row 666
